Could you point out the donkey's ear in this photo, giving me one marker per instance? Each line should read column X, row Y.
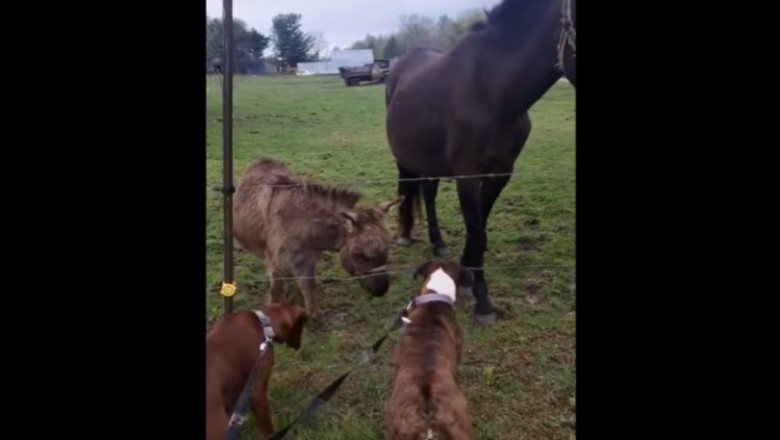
column 422, row 269
column 351, row 219
column 349, row 215
column 385, row 206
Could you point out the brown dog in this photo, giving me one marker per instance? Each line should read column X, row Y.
column 232, row 347
column 426, row 402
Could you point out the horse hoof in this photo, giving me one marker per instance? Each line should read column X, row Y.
column 465, row 292
column 442, row 251
column 485, row 320
column 403, row 241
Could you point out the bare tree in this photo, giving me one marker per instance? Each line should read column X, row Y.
column 467, row 18
column 320, row 47
column 417, row 31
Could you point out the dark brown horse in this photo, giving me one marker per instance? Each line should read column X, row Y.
column 466, row 113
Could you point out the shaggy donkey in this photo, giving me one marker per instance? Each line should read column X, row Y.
column 289, row 222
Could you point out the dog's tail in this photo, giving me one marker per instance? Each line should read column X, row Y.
column 428, row 409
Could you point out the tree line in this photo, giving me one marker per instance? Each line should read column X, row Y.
column 419, row 31
column 291, row 45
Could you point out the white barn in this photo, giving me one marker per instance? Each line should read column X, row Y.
column 339, row 58
column 352, row 57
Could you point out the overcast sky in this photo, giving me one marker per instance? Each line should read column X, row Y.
column 342, row 21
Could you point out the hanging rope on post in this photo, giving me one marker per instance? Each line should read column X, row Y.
column 228, row 287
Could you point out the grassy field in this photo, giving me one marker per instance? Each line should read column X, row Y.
column 519, row 376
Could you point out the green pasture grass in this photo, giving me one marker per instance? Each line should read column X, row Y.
column 519, row 375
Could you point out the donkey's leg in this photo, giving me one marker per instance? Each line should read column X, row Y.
column 304, row 270
column 469, row 194
column 411, row 192
column 276, row 291
column 430, row 189
column 276, row 286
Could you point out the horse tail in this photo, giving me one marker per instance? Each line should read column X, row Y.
column 390, row 82
column 387, row 94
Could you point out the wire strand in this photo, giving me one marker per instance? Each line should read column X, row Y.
column 410, row 269
column 369, row 181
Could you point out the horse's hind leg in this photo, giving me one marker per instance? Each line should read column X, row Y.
column 430, row 189
column 410, row 189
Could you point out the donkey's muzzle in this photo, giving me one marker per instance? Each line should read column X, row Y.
column 376, row 283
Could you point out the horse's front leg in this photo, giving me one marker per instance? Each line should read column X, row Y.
column 469, row 194
column 493, row 186
column 491, row 189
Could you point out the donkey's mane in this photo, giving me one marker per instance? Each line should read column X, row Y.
column 314, row 189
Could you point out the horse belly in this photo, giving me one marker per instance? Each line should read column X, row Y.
column 416, row 139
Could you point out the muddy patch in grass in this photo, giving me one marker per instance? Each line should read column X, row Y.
column 532, row 223
column 533, row 242
column 536, row 289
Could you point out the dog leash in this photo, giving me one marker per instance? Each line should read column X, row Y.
column 238, row 417
column 364, row 357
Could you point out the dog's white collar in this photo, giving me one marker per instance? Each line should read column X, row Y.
column 432, row 297
column 441, row 283
column 443, row 288
column 425, row 299
column 265, row 321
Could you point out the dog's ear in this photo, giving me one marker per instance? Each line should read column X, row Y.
column 298, row 318
column 422, row 269
column 465, row 277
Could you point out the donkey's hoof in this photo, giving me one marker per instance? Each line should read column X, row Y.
column 485, row 320
column 403, row 241
column 442, row 251
column 317, row 321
